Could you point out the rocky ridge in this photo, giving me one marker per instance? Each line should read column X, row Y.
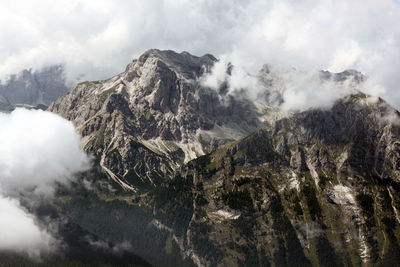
column 220, row 180
column 318, row 188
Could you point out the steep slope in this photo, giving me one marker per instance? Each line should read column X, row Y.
column 320, row 188
column 34, row 88
column 145, row 122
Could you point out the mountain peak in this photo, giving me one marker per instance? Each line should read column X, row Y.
column 159, row 105
column 183, row 63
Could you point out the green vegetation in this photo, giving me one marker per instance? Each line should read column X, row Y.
column 367, row 205
column 239, row 200
column 244, row 225
column 312, row 202
column 174, row 203
column 90, row 82
column 203, row 246
column 326, row 253
column 105, row 94
column 242, row 181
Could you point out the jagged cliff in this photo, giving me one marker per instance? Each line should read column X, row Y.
column 209, row 181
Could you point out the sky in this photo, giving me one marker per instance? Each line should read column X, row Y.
column 97, row 39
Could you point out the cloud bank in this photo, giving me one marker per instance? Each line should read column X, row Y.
column 96, row 39
column 37, row 150
column 19, row 231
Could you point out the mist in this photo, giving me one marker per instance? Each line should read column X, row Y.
column 96, row 40
column 20, row 232
column 38, row 150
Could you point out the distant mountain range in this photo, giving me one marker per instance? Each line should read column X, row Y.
column 38, row 88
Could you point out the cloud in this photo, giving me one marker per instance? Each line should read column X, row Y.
column 301, row 91
column 288, row 88
column 96, row 39
column 19, row 231
column 312, row 229
column 117, row 249
column 37, row 150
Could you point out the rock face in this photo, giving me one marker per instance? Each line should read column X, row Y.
column 211, row 184
column 317, row 188
column 34, row 88
column 157, row 110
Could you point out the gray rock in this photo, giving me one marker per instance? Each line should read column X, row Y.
column 34, row 88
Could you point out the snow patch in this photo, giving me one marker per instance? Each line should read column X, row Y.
column 225, row 215
column 192, row 150
column 342, row 195
column 294, row 182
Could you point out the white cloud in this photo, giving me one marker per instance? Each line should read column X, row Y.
column 37, row 150
column 20, row 233
column 345, row 57
column 303, row 91
column 217, row 75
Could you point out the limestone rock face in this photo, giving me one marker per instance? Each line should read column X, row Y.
column 158, row 103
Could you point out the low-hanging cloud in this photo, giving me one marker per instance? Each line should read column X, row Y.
column 96, row 39
column 20, row 233
column 38, row 149
column 291, row 89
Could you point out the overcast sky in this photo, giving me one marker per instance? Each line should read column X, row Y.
column 96, row 39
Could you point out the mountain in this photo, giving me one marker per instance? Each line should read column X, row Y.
column 158, row 111
column 191, row 175
column 35, row 88
column 5, row 105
